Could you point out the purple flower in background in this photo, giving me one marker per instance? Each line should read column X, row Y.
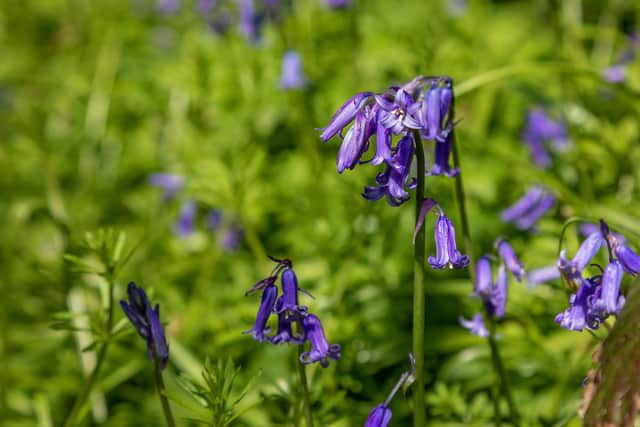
column 511, row 261
column 475, row 325
column 231, row 237
column 260, row 328
column 456, row 7
column 213, row 219
column 169, row 182
column 447, row 253
column 615, row 73
column 185, row 224
column 250, row 21
column 336, row 4
column 320, row 351
column 493, row 295
column 526, row 211
column 379, row 417
column 147, row 322
column 292, row 76
column 168, row 6
column 542, row 275
column 205, row 6
column 394, row 180
column 540, row 128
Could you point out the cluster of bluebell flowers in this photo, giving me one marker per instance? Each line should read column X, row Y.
column 493, row 292
column 526, row 211
column 146, row 320
column 423, row 107
column 291, row 315
column 596, row 297
column 540, row 128
column 230, row 232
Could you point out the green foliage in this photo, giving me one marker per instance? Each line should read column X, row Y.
column 96, row 95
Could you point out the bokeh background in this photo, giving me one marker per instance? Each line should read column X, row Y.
column 97, row 95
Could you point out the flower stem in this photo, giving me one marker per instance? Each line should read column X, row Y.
column 306, row 400
column 162, row 393
column 419, row 409
column 503, row 385
column 91, row 379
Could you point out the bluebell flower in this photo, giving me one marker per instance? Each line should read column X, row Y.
column 526, row 211
column 447, row 253
column 146, row 320
column 499, row 294
column 397, row 115
column 250, row 23
column 320, row 350
column 494, row 296
column 345, row 115
column 629, row 260
column 572, row 270
column 355, row 142
column 267, row 305
column 442, row 151
column 510, row 259
column 292, row 75
column 289, row 299
column 383, row 143
column 284, row 334
column 231, row 237
column 615, row 74
column 213, row 219
column 575, row 317
column 169, row 182
column 540, row 128
column 337, row 4
column 186, row 222
column 609, row 299
column 379, row 417
column 475, row 325
column 484, row 281
column 394, row 180
column 168, row 6
column 542, row 275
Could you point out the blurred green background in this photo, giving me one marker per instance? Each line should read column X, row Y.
column 96, row 95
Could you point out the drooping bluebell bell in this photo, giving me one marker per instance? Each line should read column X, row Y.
column 186, row 221
column 493, row 295
column 170, row 183
column 355, row 141
column 289, row 299
column 284, row 334
column 146, row 320
column 526, row 211
column 292, row 76
column 575, row 317
column 321, row 351
column 267, row 305
column 475, row 325
column 609, row 300
column 345, row 115
column 447, row 253
column 511, row 261
column 542, row 275
column 629, row 260
column 442, row 151
column 379, row 416
column 572, row 269
column 394, row 180
column 540, row 128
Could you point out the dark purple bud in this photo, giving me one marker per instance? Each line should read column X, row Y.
column 510, row 260
column 186, row 222
column 147, row 322
column 292, row 76
column 289, row 296
column 379, row 417
column 345, row 115
column 267, row 304
column 447, row 253
column 475, row 325
column 320, row 350
column 170, row 183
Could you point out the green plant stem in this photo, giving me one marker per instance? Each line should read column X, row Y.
column 91, row 379
column 502, row 376
column 306, row 400
column 503, row 385
column 419, row 409
column 162, row 393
